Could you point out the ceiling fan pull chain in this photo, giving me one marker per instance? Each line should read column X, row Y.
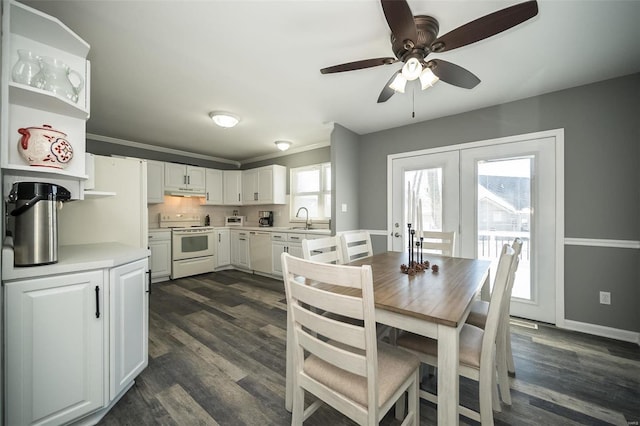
column 413, row 100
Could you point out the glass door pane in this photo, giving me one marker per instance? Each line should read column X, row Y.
column 427, row 185
column 504, row 213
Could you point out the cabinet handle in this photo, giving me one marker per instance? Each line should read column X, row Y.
column 97, row 301
column 149, row 281
column 184, row 179
column 207, row 196
column 219, row 238
column 255, row 196
column 188, row 180
column 238, row 196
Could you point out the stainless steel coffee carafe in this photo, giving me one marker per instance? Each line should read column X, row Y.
column 35, row 236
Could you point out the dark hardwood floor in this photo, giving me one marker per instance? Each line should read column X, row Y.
column 217, row 356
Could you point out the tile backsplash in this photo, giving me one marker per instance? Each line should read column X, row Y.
column 173, row 205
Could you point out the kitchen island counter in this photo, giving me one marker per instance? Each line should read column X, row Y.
column 73, row 258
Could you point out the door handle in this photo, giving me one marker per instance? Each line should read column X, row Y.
column 97, row 301
column 149, row 281
column 397, row 235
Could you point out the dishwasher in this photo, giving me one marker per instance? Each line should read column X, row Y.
column 260, row 251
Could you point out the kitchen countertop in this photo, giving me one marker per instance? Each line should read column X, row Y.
column 73, row 258
column 266, row 229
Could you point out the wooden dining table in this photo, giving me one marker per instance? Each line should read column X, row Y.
column 432, row 304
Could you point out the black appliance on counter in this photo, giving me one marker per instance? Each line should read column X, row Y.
column 35, row 233
column 265, row 218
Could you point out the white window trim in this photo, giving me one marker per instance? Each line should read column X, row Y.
column 293, row 171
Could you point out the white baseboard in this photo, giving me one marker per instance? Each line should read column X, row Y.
column 601, row 330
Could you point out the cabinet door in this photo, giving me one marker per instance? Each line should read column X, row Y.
column 277, row 249
column 224, row 247
column 232, row 187
column 265, row 185
column 155, row 182
column 175, row 176
column 55, row 354
column 250, row 187
column 129, row 323
column 160, row 259
column 235, row 241
column 243, row 251
column 213, row 187
column 295, row 250
column 196, row 178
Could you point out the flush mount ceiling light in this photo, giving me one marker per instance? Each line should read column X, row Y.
column 224, row 119
column 283, row 145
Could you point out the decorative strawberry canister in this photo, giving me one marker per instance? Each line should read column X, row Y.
column 45, row 147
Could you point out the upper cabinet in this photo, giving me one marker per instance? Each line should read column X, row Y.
column 232, row 184
column 213, row 187
column 155, row 182
column 264, row 185
column 182, row 178
column 45, row 99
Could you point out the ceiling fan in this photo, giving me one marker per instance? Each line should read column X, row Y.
column 414, row 38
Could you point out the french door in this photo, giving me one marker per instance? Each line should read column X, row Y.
column 491, row 193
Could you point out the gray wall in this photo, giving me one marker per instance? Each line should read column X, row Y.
column 344, row 185
column 602, row 182
column 106, row 148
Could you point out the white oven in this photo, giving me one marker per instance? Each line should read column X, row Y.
column 192, row 245
column 188, row 243
column 192, row 251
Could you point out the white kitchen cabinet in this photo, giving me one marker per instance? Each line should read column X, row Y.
column 223, row 247
column 232, row 181
column 160, row 260
column 155, row 182
column 129, row 324
column 55, row 348
column 213, row 187
column 240, row 249
column 23, row 105
column 183, row 178
column 291, row 243
column 264, row 185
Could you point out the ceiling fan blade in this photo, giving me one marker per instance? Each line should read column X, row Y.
column 357, row 65
column 400, row 20
column 387, row 91
column 486, row 26
column 453, row 74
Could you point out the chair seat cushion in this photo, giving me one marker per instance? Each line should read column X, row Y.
column 394, row 367
column 470, row 344
column 478, row 314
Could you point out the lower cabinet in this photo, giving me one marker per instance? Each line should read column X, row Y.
column 55, row 348
column 285, row 243
column 160, row 259
column 240, row 249
column 129, row 324
column 73, row 342
column 223, row 247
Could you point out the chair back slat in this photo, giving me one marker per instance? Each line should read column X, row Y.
column 324, row 326
column 325, row 273
column 439, row 242
column 323, row 250
column 356, row 245
column 348, row 306
column 350, row 361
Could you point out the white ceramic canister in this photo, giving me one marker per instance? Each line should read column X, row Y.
column 45, row 147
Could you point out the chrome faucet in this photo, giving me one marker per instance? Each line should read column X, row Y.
column 306, row 221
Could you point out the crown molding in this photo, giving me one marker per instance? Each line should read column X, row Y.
column 148, row 147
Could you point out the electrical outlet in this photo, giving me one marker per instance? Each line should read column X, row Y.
column 605, row 298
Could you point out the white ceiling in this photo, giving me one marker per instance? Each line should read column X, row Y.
column 159, row 67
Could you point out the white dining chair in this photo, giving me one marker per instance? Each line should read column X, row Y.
column 356, row 245
column 477, row 348
column 439, row 242
column 324, row 250
column 478, row 317
column 346, row 367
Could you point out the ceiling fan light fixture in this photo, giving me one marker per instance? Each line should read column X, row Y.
column 283, row 145
column 224, row 119
column 412, row 69
column 398, row 83
column 428, row 78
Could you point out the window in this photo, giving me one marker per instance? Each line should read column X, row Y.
column 311, row 188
